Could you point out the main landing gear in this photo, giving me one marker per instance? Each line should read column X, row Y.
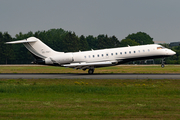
column 90, row 71
column 162, row 65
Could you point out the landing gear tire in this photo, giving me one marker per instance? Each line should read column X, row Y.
column 162, row 65
column 90, row 71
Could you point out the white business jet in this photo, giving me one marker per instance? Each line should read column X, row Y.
column 94, row 58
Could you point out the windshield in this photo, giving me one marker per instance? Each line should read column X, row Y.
column 160, row 47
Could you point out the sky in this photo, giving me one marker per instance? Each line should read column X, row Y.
column 158, row 18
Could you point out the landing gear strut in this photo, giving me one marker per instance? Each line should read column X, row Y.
column 162, row 65
column 90, row 71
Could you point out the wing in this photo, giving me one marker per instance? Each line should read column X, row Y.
column 84, row 65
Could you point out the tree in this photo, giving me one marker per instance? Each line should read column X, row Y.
column 83, row 44
column 126, row 42
column 1, row 47
column 71, row 42
column 141, row 38
column 92, row 42
column 8, row 49
column 114, row 42
column 65, row 41
column 102, row 41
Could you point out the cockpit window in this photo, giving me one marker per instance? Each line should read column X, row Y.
column 160, row 47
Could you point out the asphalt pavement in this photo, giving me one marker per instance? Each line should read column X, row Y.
column 87, row 76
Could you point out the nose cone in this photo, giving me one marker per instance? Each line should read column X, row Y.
column 171, row 52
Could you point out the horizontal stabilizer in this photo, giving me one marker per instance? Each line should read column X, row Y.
column 21, row 41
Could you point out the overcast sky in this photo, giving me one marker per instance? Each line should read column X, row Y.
column 158, row 18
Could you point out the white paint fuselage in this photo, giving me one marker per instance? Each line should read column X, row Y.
column 123, row 53
column 93, row 58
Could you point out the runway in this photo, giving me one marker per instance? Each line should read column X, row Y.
column 87, row 76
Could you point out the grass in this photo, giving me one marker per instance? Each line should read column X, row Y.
column 89, row 99
column 115, row 69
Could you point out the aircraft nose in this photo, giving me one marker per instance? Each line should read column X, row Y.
column 172, row 52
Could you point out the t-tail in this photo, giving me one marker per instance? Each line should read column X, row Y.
column 38, row 49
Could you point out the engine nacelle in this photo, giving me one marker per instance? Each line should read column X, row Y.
column 60, row 59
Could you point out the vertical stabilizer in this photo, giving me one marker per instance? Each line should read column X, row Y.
column 36, row 47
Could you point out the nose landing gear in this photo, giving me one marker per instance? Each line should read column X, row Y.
column 162, row 65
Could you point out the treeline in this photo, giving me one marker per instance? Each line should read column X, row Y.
column 67, row 41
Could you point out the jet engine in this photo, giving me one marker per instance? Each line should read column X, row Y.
column 60, row 59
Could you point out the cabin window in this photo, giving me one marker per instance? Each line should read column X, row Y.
column 89, row 56
column 125, row 52
column 143, row 50
column 84, row 56
column 139, row 51
column 98, row 55
column 111, row 53
column 134, row 51
column 93, row 56
column 148, row 50
column 129, row 52
column 121, row 53
column 106, row 54
column 102, row 55
column 116, row 53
